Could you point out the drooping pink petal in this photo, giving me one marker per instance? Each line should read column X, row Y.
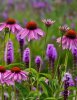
column 39, row 31
column 2, row 26
column 23, row 33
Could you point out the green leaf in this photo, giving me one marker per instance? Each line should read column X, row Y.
column 24, row 91
column 46, row 88
column 20, row 65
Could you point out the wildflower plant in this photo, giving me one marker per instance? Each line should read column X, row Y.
column 46, row 69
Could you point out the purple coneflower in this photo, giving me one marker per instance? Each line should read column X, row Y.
column 69, row 40
column 52, row 56
column 38, row 62
column 16, row 75
column 68, row 81
column 4, row 80
column 31, row 31
column 26, row 57
column 48, row 22
column 11, row 24
column 9, row 52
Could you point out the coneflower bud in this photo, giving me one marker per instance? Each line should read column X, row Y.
column 52, row 56
column 74, row 52
column 64, row 28
column 21, row 44
column 48, row 22
column 38, row 62
column 26, row 57
column 9, row 52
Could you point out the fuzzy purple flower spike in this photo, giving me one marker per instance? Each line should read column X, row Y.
column 9, row 52
column 52, row 56
column 68, row 82
column 26, row 56
column 38, row 62
column 74, row 52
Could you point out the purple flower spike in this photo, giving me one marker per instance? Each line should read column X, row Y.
column 9, row 52
column 38, row 62
column 52, row 56
column 26, row 56
column 21, row 44
column 68, row 81
column 74, row 52
column 51, row 52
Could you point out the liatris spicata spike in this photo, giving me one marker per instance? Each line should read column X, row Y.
column 9, row 52
column 68, row 81
column 26, row 56
column 38, row 62
column 74, row 52
column 52, row 55
column 21, row 44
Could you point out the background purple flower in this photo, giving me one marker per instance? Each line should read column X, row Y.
column 9, row 52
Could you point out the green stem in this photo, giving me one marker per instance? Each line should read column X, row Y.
column 9, row 92
column 66, row 60
column 45, row 43
column 30, row 81
column 2, row 92
column 14, row 91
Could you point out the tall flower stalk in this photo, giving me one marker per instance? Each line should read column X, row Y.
column 52, row 56
column 9, row 52
column 21, row 44
column 48, row 23
column 74, row 53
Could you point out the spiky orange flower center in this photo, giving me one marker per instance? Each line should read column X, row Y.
column 2, row 69
column 71, row 34
column 10, row 21
column 31, row 25
column 15, row 69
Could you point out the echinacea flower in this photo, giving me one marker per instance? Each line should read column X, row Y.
column 16, row 75
column 2, row 71
column 48, row 22
column 9, row 52
column 31, row 31
column 11, row 24
column 3, row 80
column 38, row 62
column 69, row 40
column 26, row 56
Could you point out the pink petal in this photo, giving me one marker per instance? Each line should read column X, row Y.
column 19, row 76
column 23, row 33
column 2, row 26
column 15, row 77
column 39, row 31
column 18, row 27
